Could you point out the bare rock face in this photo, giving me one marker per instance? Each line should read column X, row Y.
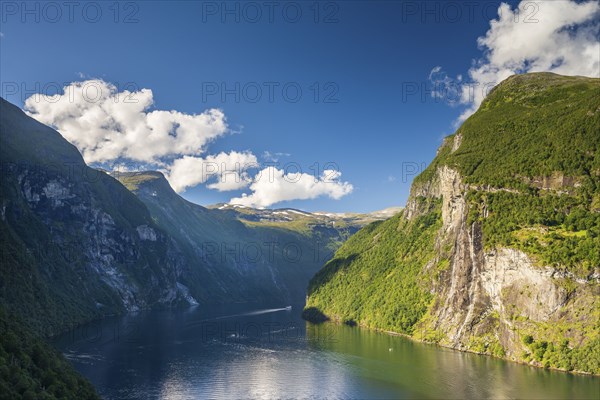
column 456, row 142
column 493, row 296
column 110, row 250
column 453, row 201
column 146, row 233
column 72, row 232
column 461, row 301
column 536, row 293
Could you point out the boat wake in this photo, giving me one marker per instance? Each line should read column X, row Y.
column 256, row 312
column 245, row 314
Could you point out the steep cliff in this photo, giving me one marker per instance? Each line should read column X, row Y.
column 509, row 263
column 75, row 244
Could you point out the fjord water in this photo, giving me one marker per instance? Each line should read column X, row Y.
column 252, row 351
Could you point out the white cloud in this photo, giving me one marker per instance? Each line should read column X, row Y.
column 273, row 185
column 226, row 171
column 118, row 128
column 106, row 124
column 553, row 36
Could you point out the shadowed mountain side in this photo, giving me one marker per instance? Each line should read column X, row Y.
column 250, row 254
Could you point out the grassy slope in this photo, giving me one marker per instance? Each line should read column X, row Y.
column 531, row 128
column 537, row 135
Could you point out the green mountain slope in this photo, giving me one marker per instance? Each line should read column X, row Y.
column 509, row 261
column 530, row 126
column 388, row 254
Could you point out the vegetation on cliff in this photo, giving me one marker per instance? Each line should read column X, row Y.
column 529, row 171
column 375, row 278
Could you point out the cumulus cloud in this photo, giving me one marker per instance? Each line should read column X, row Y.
column 226, row 171
column 106, row 124
column 272, row 185
column 553, row 36
column 120, row 129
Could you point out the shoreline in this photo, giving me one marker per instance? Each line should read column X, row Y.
column 338, row 321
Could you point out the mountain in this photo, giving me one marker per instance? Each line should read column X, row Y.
column 76, row 244
column 247, row 255
column 498, row 248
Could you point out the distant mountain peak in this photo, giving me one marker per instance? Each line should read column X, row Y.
column 134, row 180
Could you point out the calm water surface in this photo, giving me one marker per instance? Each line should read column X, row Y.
column 253, row 351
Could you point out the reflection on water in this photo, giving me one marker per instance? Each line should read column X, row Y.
column 434, row 372
column 244, row 351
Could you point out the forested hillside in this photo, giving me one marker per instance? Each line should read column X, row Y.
column 31, row 369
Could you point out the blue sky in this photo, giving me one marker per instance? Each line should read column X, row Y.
column 363, row 55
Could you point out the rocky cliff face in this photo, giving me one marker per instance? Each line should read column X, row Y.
column 90, row 236
column 488, row 299
column 75, row 243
